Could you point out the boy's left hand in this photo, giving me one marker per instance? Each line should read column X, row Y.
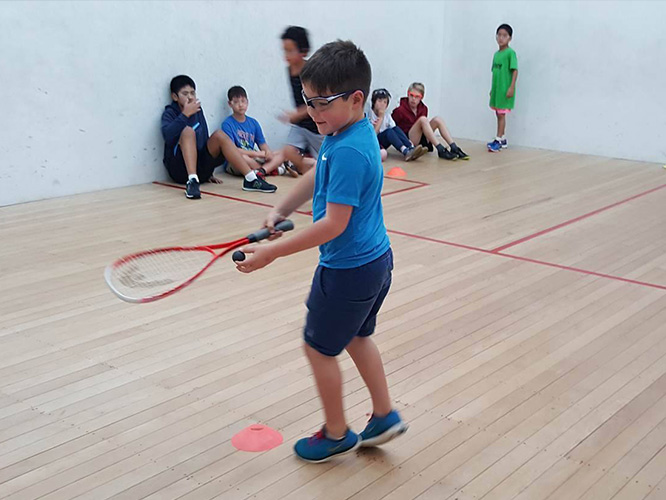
column 256, row 257
column 510, row 92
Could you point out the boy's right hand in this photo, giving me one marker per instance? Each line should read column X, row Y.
column 273, row 217
column 192, row 108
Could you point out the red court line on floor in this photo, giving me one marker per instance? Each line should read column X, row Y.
column 456, row 245
column 226, row 197
column 577, row 219
column 416, row 185
column 526, row 259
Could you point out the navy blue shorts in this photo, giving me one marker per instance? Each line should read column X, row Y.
column 344, row 303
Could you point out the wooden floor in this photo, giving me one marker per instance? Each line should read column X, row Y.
column 524, row 340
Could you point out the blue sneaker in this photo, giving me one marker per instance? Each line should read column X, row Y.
column 494, row 147
column 504, row 144
column 381, row 430
column 319, row 448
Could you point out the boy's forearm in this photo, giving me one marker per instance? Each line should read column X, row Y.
column 514, row 78
column 264, row 147
column 301, row 193
column 322, row 231
column 300, row 114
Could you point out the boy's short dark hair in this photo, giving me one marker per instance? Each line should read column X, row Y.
column 299, row 36
column 507, row 28
column 337, row 67
column 236, row 91
column 180, row 81
column 380, row 94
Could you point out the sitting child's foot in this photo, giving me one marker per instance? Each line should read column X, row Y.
column 259, row 184
column 320, row 448
column 409, row 153
column 459, row 153
column 288, row 169
column 420, row 151
column 445, row 154
column 192, row 190
column 494, row 147
column 381, row 430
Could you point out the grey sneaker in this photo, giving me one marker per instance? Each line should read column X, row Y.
column 259, row 185
column 192, row 190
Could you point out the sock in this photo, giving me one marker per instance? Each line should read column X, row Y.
column 281, row 170
column 503, row 138
column 251, row 176
column 328, row 436
column 498, row 138
column 402, row 149
column 193, row 176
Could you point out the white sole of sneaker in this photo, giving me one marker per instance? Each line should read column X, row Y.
column 391, row 433
column 258, row 190
column 350, row 450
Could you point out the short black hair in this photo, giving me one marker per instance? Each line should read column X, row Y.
column 380, row 94
column 236, row 91
column 180, row 81
column 299, row 36
column 336, row 67
column 506, row 27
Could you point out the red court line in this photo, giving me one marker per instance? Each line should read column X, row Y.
column 456, row 245
column 226, row 197
column 571, row 221
column 526, row 259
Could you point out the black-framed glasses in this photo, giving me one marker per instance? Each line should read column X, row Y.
column 321, row 102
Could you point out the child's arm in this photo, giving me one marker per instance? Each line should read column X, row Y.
column 295, row 115
column 331, row 226
column 267, row 153
column 512, row 87
column 377, row 124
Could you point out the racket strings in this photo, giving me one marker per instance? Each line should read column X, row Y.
column 154, row 273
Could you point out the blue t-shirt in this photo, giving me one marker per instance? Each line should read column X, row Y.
column 244, row 134
column 349, row 172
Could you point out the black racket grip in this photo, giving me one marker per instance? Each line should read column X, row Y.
column 262, row 234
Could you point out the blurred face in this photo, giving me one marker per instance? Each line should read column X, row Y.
column 381, row 104
column 239, row 105
column 503, row 38
column 185, row 95
column 414, row 97
column 334, row 117
column 291, row 53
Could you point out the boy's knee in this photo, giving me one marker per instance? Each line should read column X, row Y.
column 422, row 120
column 220, row 136
column 188, row 132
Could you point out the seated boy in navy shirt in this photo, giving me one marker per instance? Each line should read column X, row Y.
column 355, row 258
column 246, row 133
column 190, row 156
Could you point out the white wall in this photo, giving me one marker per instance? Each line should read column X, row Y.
column 85, row 83
column 592, row 75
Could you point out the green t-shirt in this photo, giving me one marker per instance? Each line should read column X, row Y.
column 504, row 62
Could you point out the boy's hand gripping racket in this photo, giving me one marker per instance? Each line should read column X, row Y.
column 154, row 274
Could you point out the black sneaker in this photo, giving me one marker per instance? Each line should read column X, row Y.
column 445, row 154
column 192, row 190
column 259, row 185
column 459, row 153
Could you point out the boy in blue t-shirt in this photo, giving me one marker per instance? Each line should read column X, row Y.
column 354, row 272
column 246, row 134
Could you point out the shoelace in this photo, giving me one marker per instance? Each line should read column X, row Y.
column 317, row 436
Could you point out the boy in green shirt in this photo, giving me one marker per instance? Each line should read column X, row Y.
column 503, row 90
